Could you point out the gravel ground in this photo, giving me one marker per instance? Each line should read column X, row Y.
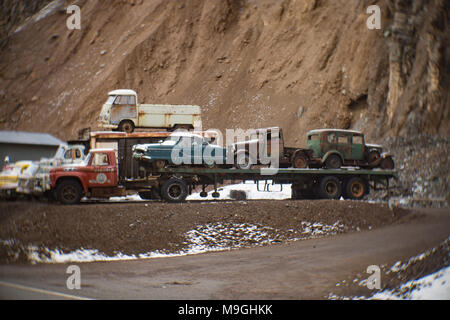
column 140, row 228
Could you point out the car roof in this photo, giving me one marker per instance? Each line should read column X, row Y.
column 186, row 134
column 334, row 130
column 122, row 92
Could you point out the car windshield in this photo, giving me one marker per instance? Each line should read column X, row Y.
column 110, row 100
column 171, row 140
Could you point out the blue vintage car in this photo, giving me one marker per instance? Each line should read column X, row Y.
column 181, row 148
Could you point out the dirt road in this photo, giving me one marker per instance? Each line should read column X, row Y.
column 296, row 270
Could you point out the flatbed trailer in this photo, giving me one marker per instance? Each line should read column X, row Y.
column 174, row 184
column 110, row 172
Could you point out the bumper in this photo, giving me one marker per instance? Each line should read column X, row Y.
column 108, row 125
column 141, row 156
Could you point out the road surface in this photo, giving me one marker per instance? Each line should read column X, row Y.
column 306, row 269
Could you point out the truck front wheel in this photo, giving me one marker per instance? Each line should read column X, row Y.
column 69, row 192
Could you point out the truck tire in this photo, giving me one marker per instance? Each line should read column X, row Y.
column 387, row 163
column 174, row 190
column 126, row 126
column 69, row 192
column 355, row 188
column 330, row 188
column 300, row 161
column 333, row 162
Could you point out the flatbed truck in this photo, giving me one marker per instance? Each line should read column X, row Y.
column 101, row 176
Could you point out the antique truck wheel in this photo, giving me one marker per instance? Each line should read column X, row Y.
column 126, row 126
column 300, row 161
column 69, row 192
column 387, row 163
column 333, row 162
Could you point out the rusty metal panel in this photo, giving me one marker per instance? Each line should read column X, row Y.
column 120, row 112
column 129, row 167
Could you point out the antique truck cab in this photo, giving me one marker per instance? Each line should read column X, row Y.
column 97, row 176
column 122, row 112
column 333, row 148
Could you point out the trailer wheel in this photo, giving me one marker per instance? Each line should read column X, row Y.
column 330, row 188
column 355, row 188
column 174, row 190
column 69, row 192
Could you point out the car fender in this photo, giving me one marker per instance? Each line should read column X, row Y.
column 75, row 176
column 331, row 152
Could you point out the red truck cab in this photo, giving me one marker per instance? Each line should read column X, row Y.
column 97, row 176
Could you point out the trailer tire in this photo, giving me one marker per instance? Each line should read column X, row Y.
column 355, row 188
column 69, row 192
column 330, row 188
column 174, row 190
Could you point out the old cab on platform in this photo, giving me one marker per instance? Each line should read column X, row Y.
column 333, row 148
column 123, row 112
column 96, row 176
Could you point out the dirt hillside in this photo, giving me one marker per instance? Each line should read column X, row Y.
column 299, row 64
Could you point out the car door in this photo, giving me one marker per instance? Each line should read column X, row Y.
column 124, row 107
column 102, row 172
column 357, row 147
column 344, row 145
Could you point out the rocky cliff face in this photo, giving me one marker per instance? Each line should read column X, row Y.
column 299, row 64
column 419, row 66
column 15, row 12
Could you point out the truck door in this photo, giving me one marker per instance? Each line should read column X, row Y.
column 344, row 145
column 101, row 171
column 124, row 107
column 357, row 147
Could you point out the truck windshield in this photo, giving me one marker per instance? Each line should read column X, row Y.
column 86, row 160
column 110, row 100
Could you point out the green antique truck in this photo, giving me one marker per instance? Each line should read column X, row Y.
column 334, row 148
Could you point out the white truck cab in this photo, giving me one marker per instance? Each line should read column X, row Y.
column 122, row 112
